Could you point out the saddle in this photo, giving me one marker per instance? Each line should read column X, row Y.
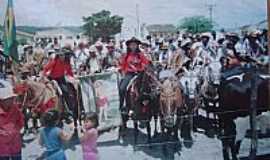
column 237, row 79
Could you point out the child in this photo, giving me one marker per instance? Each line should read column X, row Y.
column 102, row 100
column 52, row 137
column 89, row 137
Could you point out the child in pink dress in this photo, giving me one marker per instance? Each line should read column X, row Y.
column 102, row 101
column 89, row 137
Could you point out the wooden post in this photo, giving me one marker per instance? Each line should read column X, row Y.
column 253, row 114
column 268, row 17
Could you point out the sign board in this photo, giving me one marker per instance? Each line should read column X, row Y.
column 100, row 94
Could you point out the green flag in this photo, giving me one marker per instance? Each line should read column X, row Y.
column 9, row 37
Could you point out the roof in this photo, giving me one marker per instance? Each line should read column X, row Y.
column 20, row 33
column 56, row 32
column 25, row 34
column 161, row 28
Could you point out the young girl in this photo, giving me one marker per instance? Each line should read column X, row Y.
column 89, row 137
column 52, row 137
column 102, row 101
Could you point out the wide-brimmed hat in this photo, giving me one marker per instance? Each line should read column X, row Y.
column 164, row 47
column 98, row 44
column 92, row 49
column 110, row 45
column 133, row 40
column 255, row 33
column 145, row 43
column 232, row 34
column 6, row 90
column 186, row 42
column 206, row 34
column 65, row 51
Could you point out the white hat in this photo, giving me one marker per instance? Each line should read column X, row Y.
column 206, row 34
column 6, row 90
column 92, row 49
column 196, row 45
column 185, row 42
column 98, row 43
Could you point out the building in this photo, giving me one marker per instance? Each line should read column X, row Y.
column 21, row 36
column 161, row 30
column 57, row 33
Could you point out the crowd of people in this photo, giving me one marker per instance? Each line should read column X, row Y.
column 63, row 62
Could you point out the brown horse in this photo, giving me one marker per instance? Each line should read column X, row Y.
column 37, row 98
column 171, row 108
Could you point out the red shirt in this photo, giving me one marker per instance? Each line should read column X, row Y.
column 58, row 68
column 132, row 63
column 11, row 122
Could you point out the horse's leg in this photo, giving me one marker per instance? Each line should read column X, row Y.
column 149, row 133
column 237, row 146
column 233, row 142
column 228, row 139
column 26, row 119
column 163, row 137
column 191, row 124
column 156, row 121
column 234, row 149
column 136, row 131
column 123, row 126
column 225, row 149
column 35, row 123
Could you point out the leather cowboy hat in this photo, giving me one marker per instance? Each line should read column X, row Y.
column 133, row 40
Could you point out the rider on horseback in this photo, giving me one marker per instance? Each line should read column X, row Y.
column 130, row 65
column 59, row 69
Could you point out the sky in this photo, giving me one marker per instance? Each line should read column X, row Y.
column 226, row 13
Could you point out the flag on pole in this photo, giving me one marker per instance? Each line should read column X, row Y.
column 9, row 37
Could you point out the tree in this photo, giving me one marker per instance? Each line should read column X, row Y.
column 196, row 24
column 102, row 24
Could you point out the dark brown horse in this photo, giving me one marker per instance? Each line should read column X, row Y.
column 142, row 103
column 237, row 94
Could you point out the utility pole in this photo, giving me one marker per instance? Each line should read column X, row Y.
column 210, row 8
column 138, row 20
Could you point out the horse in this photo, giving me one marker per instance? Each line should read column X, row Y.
column 141, row 103
column 36, row 98
column 171, row 109
column 239, row 84
column 190, row 84
column 209, row 91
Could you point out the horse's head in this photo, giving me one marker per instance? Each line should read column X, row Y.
column 191, row 84
column 213, row 73
column 170, row 101
column 148, row 79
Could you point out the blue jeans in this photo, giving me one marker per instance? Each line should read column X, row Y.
column 123, row 88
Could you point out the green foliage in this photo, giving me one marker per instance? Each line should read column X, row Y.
column 196, row 24
column 102, row 24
